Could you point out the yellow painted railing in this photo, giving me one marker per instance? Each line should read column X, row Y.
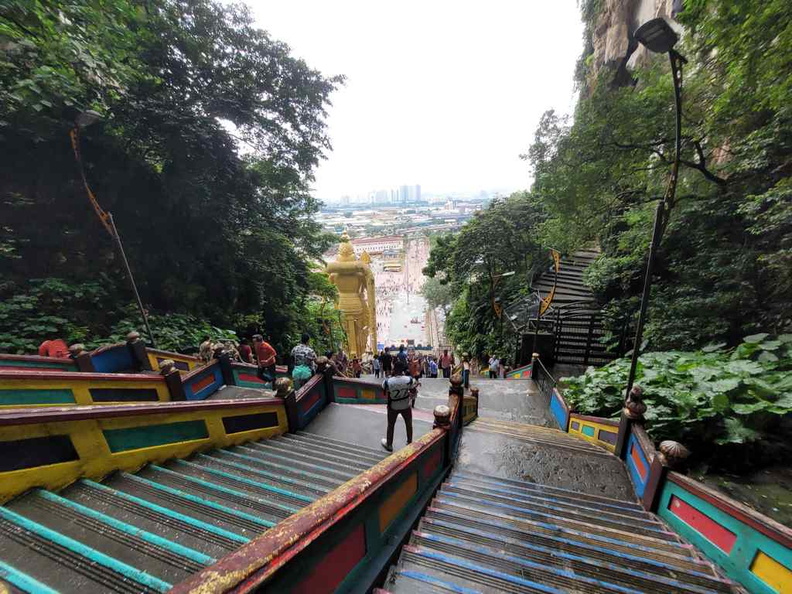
column 53, row 447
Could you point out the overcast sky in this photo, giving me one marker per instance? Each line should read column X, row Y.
column 438, row 93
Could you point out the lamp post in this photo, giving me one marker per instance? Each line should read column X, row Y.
column 658, row 37
column 83, row 120
column 494, row 280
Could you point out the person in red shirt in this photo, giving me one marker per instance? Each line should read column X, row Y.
column 245, row 352
column 265, row 354
column 54, row 348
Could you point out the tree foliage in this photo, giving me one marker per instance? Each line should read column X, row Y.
column 210, row 134
column 724, row 268
column 500, row 239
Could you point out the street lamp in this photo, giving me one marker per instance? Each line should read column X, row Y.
column 658, row 37
column 83, row 120
column 496, row 302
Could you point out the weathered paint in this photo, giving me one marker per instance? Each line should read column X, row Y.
column 22, row 581
column 132, row 573
column 707, row 518
column 523, row 372
column 48, row 388
column 149, row 537
column 310, row 399
column 34, row 362
column 133, row 438
column 469, row 405
column 26, row 397
column 169, row 513
column 637, row 465
column 112, row 359
column 139, row 434
column 772, row 573
column 203, row 382
column 601, row 432
column 356, row 391
column 397, row 501
column 184, row 363
column 559, row 409
column 335, row 565
column 255, row 563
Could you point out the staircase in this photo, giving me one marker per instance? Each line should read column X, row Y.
column 482, row 533
column 146, row 531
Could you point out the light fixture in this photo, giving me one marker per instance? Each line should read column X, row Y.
column 657, row 36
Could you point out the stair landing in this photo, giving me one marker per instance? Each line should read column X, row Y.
column 521, row 452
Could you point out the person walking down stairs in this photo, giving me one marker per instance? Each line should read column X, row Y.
column 399, row 390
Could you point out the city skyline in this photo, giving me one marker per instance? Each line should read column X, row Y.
column 444, row 94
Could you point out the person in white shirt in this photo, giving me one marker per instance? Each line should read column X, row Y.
column 494, row 364
column 399, row 389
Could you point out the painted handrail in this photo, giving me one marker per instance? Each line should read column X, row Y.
column 357, row 518
column 33, row 362
column 53, row 447
column 749, row 547
column 357, row 391
column 45, row 388
column 257, row 561
column 32, row 416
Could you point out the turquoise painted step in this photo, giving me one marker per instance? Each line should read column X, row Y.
column 143, row 532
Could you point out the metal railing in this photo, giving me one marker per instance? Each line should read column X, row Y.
column 544, row 380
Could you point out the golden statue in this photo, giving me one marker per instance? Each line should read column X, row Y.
column 356, row 298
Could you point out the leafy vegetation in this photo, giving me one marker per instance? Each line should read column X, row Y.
column 210, row 134
column 499, row 240
column 724, row 269
column 710, row 400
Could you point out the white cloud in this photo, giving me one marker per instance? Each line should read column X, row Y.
column 440, row 93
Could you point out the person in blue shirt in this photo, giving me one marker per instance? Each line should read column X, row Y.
column 432, row 367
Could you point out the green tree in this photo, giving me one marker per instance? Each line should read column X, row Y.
column 212, row 231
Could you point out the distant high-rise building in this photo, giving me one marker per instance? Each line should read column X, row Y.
column 404, row 194
column 345, row 200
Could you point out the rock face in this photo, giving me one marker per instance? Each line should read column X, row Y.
column 612, row 38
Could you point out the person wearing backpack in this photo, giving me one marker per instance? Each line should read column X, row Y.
column 399, row 389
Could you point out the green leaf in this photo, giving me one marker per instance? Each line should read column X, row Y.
column 711, row 348
column 756, row 337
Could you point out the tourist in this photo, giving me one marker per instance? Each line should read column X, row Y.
column 377, row 365
column 424, row 366
column 414, row 366
column 265, row 355
column 357, row 368
column 465, row 371
column 446, row 362
column 303, row 361
column 502, row 367
column 54, row 348
column 387, row 362
column 402, row 355
column 399, row 390
column 494, row 364
column 342, row 362
column 432, row 368
column 245, row 352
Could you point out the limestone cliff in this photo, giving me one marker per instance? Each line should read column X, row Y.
column 613, row 23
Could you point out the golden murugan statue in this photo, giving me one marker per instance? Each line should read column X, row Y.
column 356, row 297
